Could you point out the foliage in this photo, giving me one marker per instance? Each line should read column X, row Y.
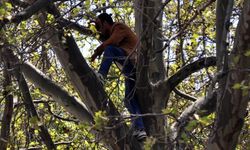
column 148, row 144
column 101, row 120
column 196, row 41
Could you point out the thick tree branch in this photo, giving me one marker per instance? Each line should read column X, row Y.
column 19, row 3
column 187, row 70
column 30, row 107
column 223, row 14
column 72, row 105
column 75, row 26
column 75, row 67
column 205, row 105
column 95, row 92
column 31, row 10
column 150, row 68
column 8, row 57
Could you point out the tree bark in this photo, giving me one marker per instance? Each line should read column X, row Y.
column 150, row 69
column 30, row 107
column 231, row 109
column 71, row 104
column 223, row 12
column 8, row 110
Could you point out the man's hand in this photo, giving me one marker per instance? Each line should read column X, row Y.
column 98, row 52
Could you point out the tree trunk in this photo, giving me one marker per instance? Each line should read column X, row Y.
column 232, row 105
column 150, row 69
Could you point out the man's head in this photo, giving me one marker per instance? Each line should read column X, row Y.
column 104, row 23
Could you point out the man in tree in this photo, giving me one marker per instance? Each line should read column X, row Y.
column 119, row 45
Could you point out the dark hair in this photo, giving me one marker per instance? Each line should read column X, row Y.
column 106, row 17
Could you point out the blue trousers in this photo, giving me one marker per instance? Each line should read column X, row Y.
column 112, row 53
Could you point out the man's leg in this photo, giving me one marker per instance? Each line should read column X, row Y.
column 132, row 105
column 111, row 53
column 131, row 102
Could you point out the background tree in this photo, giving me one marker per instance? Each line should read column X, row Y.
column 185, row 49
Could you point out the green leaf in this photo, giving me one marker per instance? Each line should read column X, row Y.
column 87, row 3
column 247, row 53
column 184, row 137
column 148, row 144
column 75, row 12
column 204, row 120
column 100, row 119
column 8, row 5
column 35, row 122
column 195, row 36
column 92, row 28
column 237, row 86
column 2, row 11
column 191, row 125
column 245, row 90
column 236, row 59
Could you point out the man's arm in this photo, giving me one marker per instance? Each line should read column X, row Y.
column 98, row 52
column 116, row 37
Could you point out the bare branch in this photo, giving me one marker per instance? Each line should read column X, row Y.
column 59, row 117
column 187, row 70
column 28, row 11
column 75, row 26
column 184, row 95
